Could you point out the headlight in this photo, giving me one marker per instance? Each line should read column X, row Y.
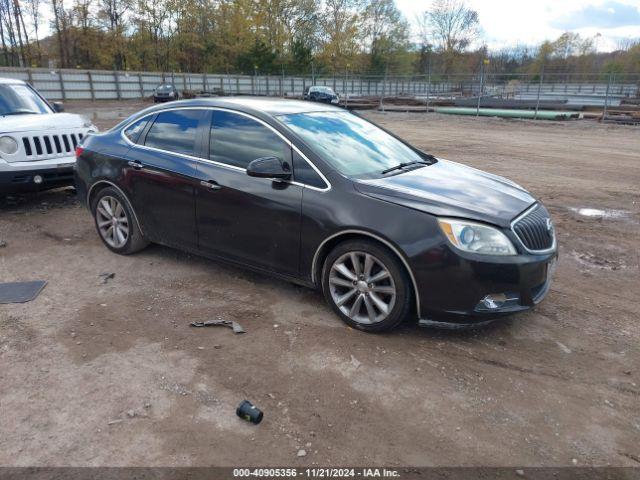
column 476, row 237
column 8, row 145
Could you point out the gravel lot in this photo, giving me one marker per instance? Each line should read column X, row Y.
column 96, row 373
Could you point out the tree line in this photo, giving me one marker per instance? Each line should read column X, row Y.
column 277, row 36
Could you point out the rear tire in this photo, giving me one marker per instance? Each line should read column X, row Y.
column 366, row 286
column 115, row 222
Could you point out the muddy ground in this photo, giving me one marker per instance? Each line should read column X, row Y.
column 96, row 373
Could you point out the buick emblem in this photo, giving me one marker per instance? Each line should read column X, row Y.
column 549, row 225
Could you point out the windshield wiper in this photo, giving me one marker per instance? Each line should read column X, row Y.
column 18, row 112
column 400, row 166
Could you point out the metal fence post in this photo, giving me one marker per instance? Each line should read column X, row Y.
column 535, row 116
column 606, row 98
column 91, row 90
column 141, row 84
column 480, row 87
column 384, row 88
column 117, row 78
column 61, row 81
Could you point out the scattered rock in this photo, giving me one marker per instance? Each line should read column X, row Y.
column 113, row 422
column 520, row 473
column 131, row 413
column 302, row 452
column 3, row 244
column 106, row 277
column 308, row 444
column 355, row 362
column 627, row 372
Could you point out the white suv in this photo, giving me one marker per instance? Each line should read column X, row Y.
column 37, row 142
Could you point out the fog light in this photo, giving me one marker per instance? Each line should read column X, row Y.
column 494, row 300
column 37, row 179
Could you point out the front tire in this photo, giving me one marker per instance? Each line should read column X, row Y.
column 115, row 222
column 367, row 287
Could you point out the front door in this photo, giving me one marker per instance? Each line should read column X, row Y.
column 252, row 220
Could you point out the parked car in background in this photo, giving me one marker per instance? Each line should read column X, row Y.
column 165, row 92
column 322, row 197
column 319, row 93
column 37, row 141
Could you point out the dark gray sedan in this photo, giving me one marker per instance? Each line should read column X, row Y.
column 317, row 195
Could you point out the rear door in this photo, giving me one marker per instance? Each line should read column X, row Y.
column 251, row 220
column 161, row 173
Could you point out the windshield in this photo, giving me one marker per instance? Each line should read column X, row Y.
column 164, row 88
column 350, row 144
column 20, row 99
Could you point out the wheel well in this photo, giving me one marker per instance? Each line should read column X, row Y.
column 332, row 243
column 95, row 189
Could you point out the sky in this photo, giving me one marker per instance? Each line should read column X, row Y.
column 510, row 22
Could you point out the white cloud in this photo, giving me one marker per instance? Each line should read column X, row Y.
column 511, row 22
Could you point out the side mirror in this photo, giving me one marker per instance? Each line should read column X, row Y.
column 58, row 107
column 269, row 167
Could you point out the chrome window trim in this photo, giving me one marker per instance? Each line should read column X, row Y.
column 231, row 167
column 533, row 252
column 381, row 240
column 121, row 193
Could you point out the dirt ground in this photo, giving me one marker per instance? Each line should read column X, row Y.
column 96, row 373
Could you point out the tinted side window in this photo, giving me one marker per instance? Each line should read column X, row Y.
column 133, row 131
column 237, row 140
column 304, row 173
column 175, row 131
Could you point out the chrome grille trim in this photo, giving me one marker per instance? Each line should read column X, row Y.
column 530, row 230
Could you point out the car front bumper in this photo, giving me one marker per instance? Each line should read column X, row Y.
column 465, row 286
column 19, row 177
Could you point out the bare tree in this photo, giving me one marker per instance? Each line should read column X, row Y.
column 60, row 25
column 33, row 10
column 453, row 25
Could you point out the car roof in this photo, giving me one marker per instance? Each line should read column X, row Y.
column 11, row 81
column 268, row 105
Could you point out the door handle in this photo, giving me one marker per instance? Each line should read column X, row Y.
column 135, row 164
column 211, row 184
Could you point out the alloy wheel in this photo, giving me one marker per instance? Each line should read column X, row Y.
column 362, row 287
column 112, row 220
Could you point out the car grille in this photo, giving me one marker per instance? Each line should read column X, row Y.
column 535, row 229
column 40, row 147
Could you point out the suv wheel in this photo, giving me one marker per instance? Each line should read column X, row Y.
column 366, row 286
column 116, row 223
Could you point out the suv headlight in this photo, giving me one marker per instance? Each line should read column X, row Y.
column 476, row 237
column 8, row 145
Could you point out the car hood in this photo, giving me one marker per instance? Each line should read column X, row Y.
column 450, row 189
column 51, row 121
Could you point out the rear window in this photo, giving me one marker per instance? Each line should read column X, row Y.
column 133, row 131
